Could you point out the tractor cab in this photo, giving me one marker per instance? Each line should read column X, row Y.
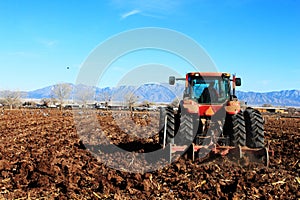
column 208, row 87
column 207, row 92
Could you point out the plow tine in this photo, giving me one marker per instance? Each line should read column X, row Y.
column 259, row 155
column 267, row 161
column 169, row 151
column 165, row 131
column 192, row 152
column 236, row 152
column 264, row 153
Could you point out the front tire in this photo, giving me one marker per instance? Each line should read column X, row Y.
column 254, row 128
column 186, row 129
column 190, row 126
column 235, row 128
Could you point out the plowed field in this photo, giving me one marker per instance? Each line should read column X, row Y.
column 42, row 157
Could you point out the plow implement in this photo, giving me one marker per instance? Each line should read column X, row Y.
column 260, row 155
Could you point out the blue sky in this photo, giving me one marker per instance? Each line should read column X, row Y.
column 257, row 40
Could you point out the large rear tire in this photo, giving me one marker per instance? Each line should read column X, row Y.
column 234, row 127
column 254, row 128
column 170, row 128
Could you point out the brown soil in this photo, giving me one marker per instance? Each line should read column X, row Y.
column 42, row 156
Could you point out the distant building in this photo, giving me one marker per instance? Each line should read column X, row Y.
column 272, row 110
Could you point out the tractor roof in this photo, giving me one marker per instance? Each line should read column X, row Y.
column 208, row 74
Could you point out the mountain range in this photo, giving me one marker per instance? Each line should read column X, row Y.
column 275, row 98
column 166, row 93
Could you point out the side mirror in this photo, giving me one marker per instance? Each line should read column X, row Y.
column 172, row 80
column 238, row 81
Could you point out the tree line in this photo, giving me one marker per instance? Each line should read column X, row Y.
column 60, row 93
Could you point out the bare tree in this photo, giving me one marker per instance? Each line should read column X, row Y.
column 45, row 102
column 61, row 91
column 106, row 97
column 131, row 99
column 84, row 94
column 145, row 103
column 53, row 100
column 11, row 98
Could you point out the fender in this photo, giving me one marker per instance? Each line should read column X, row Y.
column 233, row 107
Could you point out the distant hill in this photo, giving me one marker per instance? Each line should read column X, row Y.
column 277, row 98
column 40, row 93
column 166, row 93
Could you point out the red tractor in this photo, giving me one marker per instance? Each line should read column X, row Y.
column 210, row 117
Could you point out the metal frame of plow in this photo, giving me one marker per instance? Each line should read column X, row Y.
column 260, row 155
